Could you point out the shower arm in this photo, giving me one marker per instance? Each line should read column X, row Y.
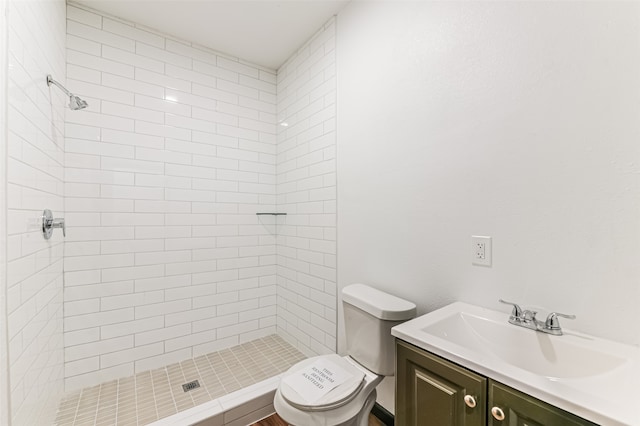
column 51, row 81
column 75, row 102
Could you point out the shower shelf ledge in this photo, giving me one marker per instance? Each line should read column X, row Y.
column 271, row 214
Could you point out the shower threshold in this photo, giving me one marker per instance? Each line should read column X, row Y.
column 236, row 387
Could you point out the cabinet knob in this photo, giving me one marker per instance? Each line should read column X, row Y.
column 497, row 413
column 470, row 401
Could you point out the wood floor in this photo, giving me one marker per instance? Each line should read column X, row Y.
column 275, row 420
column 272, row 420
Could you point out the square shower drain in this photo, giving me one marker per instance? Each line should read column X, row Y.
column 191, row 386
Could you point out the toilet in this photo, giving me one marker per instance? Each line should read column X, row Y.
column 332, row 390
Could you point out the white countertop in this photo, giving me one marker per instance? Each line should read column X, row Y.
column 608, row 398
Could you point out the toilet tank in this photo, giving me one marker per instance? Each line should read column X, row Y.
column 369, row 315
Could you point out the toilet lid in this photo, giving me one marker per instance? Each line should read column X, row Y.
column 335, row 398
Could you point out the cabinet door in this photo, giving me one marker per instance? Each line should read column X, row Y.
column 430, row 391
column 520, row 409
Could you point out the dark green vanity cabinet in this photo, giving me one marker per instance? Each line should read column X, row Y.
column 523, row 410
column 431, row 391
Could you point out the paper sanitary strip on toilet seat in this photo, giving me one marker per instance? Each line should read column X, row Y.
column 316, row 380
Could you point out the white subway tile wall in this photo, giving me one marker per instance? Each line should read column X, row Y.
column 5, row 409
column 306, row 191
column 165, row 258
column 35, row 179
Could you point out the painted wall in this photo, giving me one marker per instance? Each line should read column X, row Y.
column 165, row 258
column 35, row 176
column 516, row 120
column 306, row 191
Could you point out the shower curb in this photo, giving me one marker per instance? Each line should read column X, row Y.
column 239, row 408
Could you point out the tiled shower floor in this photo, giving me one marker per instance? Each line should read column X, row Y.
column 152, row 395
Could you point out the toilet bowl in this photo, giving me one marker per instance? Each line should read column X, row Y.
column 301, row 400
column 344, row 405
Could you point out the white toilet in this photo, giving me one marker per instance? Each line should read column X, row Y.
column 369, row 315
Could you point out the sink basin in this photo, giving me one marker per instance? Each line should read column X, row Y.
column 539, row 353
column 594, row 378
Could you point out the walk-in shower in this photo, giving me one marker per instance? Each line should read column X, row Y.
column 166, row 274
column 75, row 102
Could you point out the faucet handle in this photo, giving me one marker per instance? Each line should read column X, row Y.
column 552, row 322
column 516, row 312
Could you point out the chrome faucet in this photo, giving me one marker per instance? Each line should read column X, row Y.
column 527, row 319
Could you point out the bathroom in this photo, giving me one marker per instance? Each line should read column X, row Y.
column 389, row 134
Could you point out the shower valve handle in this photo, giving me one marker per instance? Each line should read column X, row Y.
column 49, row 224
column 59, row 223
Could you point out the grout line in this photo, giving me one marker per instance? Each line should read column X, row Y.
column 75, row 414
column 117, row 400
column 95, row 416
column 215, row 372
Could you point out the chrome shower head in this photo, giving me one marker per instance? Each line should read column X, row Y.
column 75, row 103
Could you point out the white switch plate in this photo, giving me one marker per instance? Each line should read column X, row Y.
column 480, row 250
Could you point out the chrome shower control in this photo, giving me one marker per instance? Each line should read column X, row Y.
column 49, row 223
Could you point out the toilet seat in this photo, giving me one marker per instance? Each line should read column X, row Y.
column 356, row 404
column 337, row 397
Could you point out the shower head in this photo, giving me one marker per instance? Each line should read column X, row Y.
column 75, row 103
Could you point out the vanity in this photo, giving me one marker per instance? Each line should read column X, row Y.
column 466, row 365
